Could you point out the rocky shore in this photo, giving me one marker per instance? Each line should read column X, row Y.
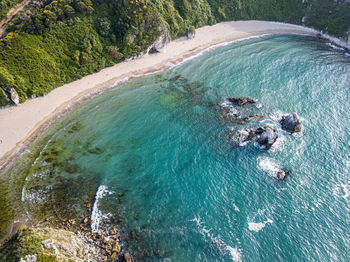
column 51, row 244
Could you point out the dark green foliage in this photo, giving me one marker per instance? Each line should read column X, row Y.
column 35, row 64
column 63, row 40
column 329, row 16
column 6, row 213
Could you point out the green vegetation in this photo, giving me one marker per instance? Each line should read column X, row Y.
column 58, row 41
column 6, row 5
column 6, row 214
column 24, row 242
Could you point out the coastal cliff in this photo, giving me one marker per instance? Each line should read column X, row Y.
column 50, row 43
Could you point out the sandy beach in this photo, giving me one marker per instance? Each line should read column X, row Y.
column 19, row 124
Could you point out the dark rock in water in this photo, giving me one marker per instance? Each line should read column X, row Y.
column 191, row 33
column 246, row 135
column 93, row 151
column 71, row 169
column 282, row 173
column 121, row 194
column 267, row 136
column 291, row 123
column 241, row 101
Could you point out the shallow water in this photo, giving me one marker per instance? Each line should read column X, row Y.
column 190, row 193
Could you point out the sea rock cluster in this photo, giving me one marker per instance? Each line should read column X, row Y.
column 245, row 113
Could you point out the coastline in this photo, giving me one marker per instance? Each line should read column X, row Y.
column 21, row 124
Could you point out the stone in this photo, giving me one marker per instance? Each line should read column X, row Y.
column 29, row 258
column 121, row 194
column 291, row 123
column 266, row 136
column 241, row 101
column 114, row 256
column 86, row 220
column 93, row 151
column 191, row 33
column 159, row 45
column 116, row 248
column 127, row 257
column 113, row 231
column 14, row 96
column 282, row 173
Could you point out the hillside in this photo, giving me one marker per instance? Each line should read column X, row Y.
column 50, row 43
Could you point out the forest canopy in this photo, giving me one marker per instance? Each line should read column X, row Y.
column 52, row 42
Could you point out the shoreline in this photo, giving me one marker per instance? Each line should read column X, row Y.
column 21, row 125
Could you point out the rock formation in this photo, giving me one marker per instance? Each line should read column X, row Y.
column 241, row 101
column 291, row 123
column 159, row 45
column 191, row 33
column 282, row 173
column 266, row 136
column 14, row 96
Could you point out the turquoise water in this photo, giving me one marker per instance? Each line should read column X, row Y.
column 191, row 194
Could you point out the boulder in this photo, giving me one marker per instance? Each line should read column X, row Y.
column 191, row 33
column 159, row 45
column 29, row 258
column 246, row 135
column 127, row 257
column 14, row 96
column 116, row 248
column 282, row 173
column 241, row 101
column 291, row 123
column 266, row 136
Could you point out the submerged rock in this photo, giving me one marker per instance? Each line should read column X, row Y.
column 241, row 101
column 291, row 123
column 266, row 136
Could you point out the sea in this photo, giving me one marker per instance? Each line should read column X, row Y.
column 162, row 158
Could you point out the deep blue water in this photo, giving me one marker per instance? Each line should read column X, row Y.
column 191, row 194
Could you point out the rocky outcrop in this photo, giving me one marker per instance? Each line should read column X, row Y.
column 53, row 245
column 282, row 173
column 266, row 136
column 159, row 45
column 191, row 33
column 241, row 101
column 291, row 123
column 14, row 96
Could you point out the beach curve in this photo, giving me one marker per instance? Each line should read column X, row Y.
column 21, row 124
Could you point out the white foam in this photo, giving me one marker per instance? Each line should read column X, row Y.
column 96, row 214
column 236, row 207
column 218, row 243
column 268, row 165
column 258, row 226
column 235, row 254
column 36, row 196
column 346, row 191
column 335, row 47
